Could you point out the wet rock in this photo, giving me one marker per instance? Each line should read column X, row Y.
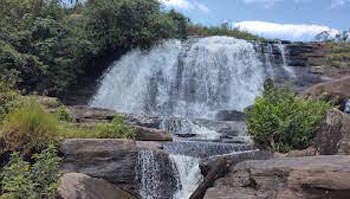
column 143, row 120
column 230, row 115
column 81, row 186
column 149, row 134
column 306, row 177
column 115, row 161
column 333, row 137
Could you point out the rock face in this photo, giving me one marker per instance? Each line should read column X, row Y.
column 335, row 90
column 115, row 161
column 148, row 134
column 87, row 114
column 299, row 178
column 333, row 137
column 230, row 115
column 81, row 186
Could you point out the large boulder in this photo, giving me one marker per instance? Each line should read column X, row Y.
column 298, row 178
column 336, row 90
column 81, row 186
column 118, row 161
column 333, row 137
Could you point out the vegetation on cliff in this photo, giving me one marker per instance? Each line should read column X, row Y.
column 281, row 121
column 44, row 46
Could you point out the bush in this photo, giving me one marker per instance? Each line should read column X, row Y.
column 8, row 99
column 117, row 128
column 281, row 121
column 224, row 30
column 22, row 180
column 29, row 128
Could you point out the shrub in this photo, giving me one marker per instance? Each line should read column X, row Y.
column 20, row 179
column 117, row 128
column 281, row 121
column 29, row 128
column 8, row 99
column 63, row 114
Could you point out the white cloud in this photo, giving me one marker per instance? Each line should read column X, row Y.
column 186, row 5
column 292, row 32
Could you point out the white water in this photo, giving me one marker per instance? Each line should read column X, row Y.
column 186, row 126
column 191, row 79
column 189, row 175
column 285, row 66
column 148, row 174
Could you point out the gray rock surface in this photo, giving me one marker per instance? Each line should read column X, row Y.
column 81, row 186
column 296, row 178
column 116, row 161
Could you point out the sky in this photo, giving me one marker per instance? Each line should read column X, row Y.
column 285, row 19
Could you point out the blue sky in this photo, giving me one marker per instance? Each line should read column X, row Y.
column 330, row 13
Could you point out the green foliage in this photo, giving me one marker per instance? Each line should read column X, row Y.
column 45, row 46
column 224, row 30
column 63, row 114
column 29, row 128
column 117, row 128
column 8, row 99
column 21, row 180
column 281, row 121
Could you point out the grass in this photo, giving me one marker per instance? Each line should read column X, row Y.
column 29, row 128
column 117, row 128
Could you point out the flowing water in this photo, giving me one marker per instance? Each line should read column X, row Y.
column 185, row 79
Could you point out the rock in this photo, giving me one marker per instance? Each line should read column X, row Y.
column 333, row 137
column 217, row 166
column 148, row 134
column 91, row 114
column 116, row 161
column 143, row 120
column 334, row 90
column 296, row 178
column 234, row 158
column 311, row 151
column 230, row 115
column 81, row 186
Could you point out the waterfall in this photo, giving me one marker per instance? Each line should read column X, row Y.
column 190, row 81
column 268, row 60
column 285, row 66
column 194, row 78
column 189, row 175
column 148, row 173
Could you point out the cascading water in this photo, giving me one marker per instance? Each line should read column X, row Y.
column 285, row 66
column 191, row 79
column 189, row 175
column 148, row 174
